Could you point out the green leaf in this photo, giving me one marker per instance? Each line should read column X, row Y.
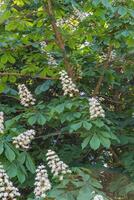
column 4, row 59
column 32, row 120
column 68, row 105
column 44, row 87
column 20, row 175
column 96, row 2
column 60, row 108
column 99, row 123
column 1, row 147
column 131, row 11
column 106, row 3
column 75, row 127
column 9, row 153
column 105, row 141
column 11, row 59
column 21, row 157
column 95, row 183
column 87, row 125
column 105, row 134
column 30, row 164
column 122, row 11
column 84, row 193
column 12, row 79
column 41, row 119
column 95, row 142
column 85, row 142
column 12, row 170
column 113, row 136
column 9, row 123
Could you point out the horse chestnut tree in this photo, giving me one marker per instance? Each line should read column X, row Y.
column 66, row 100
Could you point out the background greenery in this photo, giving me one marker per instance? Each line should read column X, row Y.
column 97, row 51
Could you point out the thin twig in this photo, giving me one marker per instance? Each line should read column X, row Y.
column 99, row 83
column 25, row 75
column 49, row 135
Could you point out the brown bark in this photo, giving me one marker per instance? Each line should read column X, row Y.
column 59, row 39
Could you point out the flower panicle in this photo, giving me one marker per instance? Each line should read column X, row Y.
column 95, row 108
column 24, row 139
column 1, row 122
column 68, row 86
column 26, row 98
column 7, row 190
column 42, row 183
column 58, row 167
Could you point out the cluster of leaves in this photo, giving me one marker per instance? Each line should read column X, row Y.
column 99, row 46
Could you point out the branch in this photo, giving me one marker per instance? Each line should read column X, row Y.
column 99, row 83
column 59, row 39
column 24, row 75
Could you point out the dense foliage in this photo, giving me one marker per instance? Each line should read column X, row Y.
column 91, row 42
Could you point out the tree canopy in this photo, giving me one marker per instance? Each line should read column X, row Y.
column 66, row 99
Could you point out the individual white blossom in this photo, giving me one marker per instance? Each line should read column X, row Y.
column 24, row 139
column 85, row 44
column 98, row 197
column 7, row 190
column 58, row 167
column 68, row 86
column 42, row 183
column 1, row 122
column 26, row 98
column 95, row 108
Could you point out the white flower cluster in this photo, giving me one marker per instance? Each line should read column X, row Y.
column 26, row 98
column 43, row 44
column 1, row 122
column 95, row 109
column 7, row 190
column 80, row 15
column 68, row 86
column 24, row 139
column 58, row 167
column 113, row 55
column 98, row 197
column 51, row 59
column 42, row 183
column 73, row 20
